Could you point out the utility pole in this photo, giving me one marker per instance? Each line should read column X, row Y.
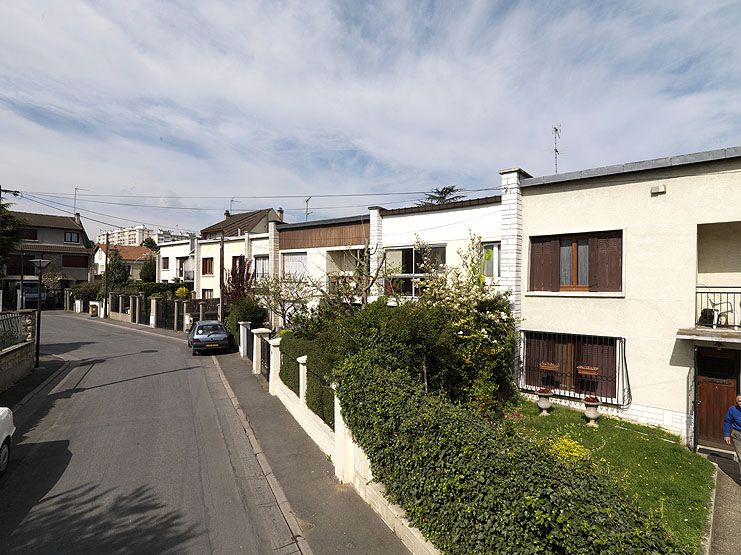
column 221, row 276
column 556, row 135
column 105, row 278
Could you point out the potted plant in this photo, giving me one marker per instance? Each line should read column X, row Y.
column 544, row 400
column 590, row 411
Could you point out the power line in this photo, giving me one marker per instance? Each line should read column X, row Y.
column 302, row 196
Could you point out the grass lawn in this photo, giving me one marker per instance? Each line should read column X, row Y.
column 662, row 475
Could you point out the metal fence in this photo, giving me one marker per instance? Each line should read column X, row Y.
column 11, row 330
column 575, row 366
column 250, row 340
column 265, row 358
column 719, row 307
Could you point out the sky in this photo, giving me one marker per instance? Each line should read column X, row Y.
column 162, row 112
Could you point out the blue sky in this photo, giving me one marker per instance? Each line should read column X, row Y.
column 178, row 100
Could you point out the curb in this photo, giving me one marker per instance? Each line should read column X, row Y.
column 42, row 385
column 275, row 487
column 707, row 539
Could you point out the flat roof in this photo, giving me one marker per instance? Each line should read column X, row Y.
column 362, row 218
column 645, row 165
column 468, row 203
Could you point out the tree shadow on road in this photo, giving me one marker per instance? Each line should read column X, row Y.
column 92, row 519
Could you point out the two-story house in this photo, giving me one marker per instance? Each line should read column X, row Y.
column 60, row 239
column 628, row 281
column 132, row 256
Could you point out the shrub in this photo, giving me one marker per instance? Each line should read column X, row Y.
column 474, row 487
column 182, row 293
column 245, row 309
column 87, row 291
column 291, row 347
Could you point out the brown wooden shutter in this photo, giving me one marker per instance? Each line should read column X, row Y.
column 555, row 269
column 593, row 263
column 537, row 281
column 606, row 261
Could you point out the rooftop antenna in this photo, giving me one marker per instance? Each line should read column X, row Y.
column 556, row 135
column 307, row 208
column 231, row 203
column 74, row 203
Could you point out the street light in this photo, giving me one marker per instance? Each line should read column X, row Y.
column 39, row 264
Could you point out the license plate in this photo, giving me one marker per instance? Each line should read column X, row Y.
column 212, row 344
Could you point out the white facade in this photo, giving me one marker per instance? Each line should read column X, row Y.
column 176, row 261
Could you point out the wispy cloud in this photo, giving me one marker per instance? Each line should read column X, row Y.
column 238, row 99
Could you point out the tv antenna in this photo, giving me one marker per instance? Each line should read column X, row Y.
column 556, row 135
column 306, row 213
column 231, row 203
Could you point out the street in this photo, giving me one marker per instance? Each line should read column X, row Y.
column 135, row 447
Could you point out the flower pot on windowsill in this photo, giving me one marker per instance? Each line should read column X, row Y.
column 591, row 404
column 544, row 401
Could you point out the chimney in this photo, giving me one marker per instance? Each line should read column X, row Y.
column 226, row 214
column 280, row 213
column 77, row 218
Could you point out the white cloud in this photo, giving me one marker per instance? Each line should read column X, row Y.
column 237, row 99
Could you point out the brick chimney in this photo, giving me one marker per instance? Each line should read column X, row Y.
column 226, row 214
column 280, row 213
column 77, row 218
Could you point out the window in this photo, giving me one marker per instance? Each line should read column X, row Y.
column 207, row 266
column 262, row 268
column 406, row 269
column 74, row 261
column 71, row 237
column 207, row 293
column 165, row 262
column 238, row 263
column 583, row 262
column 490, row 265
column 573, row 365
column 28, row 234
column 294, row 264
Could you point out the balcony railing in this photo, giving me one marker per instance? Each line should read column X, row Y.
column 718, row 307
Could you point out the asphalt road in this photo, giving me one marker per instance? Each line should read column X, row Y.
column 135, row 447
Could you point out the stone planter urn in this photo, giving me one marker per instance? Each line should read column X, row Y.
column 590, row 411
column 544, row 401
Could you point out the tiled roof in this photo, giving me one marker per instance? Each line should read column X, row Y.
column 245, row 221
column 128, row 252
column 32, row 246
column 48, row 220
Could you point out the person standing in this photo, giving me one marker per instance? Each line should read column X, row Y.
column 732, row 428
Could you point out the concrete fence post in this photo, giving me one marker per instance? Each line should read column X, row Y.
column 274, row 365
column 202, row 310
column 185, row 315
column 132, row 302
column 135, row 309
column 302, row 379
column 344, row 449
column 261, row 334
column 244, row 329
column 177, row 315
column 153, row 306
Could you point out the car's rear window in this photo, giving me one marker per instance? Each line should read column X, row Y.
column 210, row 328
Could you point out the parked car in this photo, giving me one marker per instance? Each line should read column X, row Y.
column 207, row 335
column 7, row 429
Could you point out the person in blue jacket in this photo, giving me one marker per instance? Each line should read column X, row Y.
column 732, row 428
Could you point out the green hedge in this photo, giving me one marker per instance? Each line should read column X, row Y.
column 244, row 310
column 476, row 487
column 319, row 394
column 86, row 291
column 148, row 288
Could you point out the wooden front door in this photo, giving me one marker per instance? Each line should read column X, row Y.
column 718, row 373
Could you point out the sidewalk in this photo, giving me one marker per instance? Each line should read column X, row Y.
column 727, row 513
column 332, row 517
column 48, row 365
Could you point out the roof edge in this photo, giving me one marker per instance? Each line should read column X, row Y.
column 468, row 203
column 360, row 219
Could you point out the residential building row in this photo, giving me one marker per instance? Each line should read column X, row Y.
column 626, row 279
column 135, row 235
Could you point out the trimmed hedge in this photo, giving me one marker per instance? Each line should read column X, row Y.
column 244, row 310
column 476, row 487
column 319, row 394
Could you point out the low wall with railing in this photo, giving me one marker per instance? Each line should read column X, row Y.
column 17, row 346
column 351, row 465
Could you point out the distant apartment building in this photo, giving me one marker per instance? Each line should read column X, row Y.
column 135, row 235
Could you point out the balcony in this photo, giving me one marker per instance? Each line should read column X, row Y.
column 717, row 315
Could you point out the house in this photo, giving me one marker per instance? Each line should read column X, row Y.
column 627, row 280
column 61, row 239
column 176, row 261
column 446, row 228
column 227, row 244
column 132, row 256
